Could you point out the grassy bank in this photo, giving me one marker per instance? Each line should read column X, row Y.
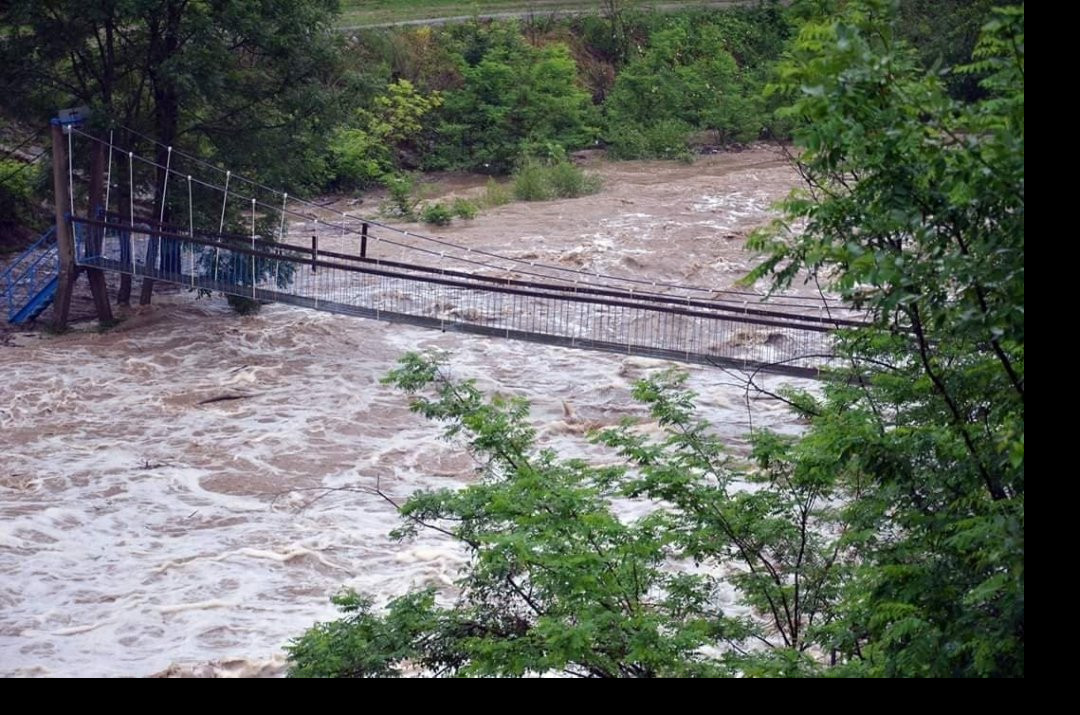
column 368, row 13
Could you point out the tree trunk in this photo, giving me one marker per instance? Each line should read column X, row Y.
column 167, row 121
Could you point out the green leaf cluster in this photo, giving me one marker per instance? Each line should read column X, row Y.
column 512, row 96
column 914, row 212
column 886, row 540
column 560, row 580
column 363, row 152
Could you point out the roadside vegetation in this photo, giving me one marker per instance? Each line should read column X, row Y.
column 365, row 13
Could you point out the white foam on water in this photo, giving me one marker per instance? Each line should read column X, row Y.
column 179, row 495
column 142, row 529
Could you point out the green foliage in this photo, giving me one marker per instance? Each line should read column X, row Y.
column 402, row 201
column 513, row 96
column 18, row 183
column 363, row 153
column 666, row 139
column 362, row 644
column 464, row 208
column 537, row 181
column 437, row 214
column 944, row 32
column 16, row 179
column 530, row 182
column 688, row 77
column 569, row 181
column 496, row 194
column 681, row 75
column 915, row 212
column 359, row 159
column 558, row 582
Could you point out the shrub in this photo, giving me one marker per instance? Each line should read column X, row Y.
column 530, row 183
column 534, row 181
column 496, row 194
column 402, row 201
column 17, row 185
column 358, row 158
column 464, row 208
column 667, row 139
column 437, row 214
column 569, row 181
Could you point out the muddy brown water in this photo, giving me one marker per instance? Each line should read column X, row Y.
column 668, row 222
column 149, row 526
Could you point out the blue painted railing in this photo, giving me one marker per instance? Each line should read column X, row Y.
column 29, row 284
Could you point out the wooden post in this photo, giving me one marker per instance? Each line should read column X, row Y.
column 363, row 240
column 314, row 252
column 65, row 241
column 97, row 195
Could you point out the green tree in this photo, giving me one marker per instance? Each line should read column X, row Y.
column 703, row 72
column 914, row 211
column 514, row 97
column 945, row 32
column 888, row 540
column 238, row 81
column 363, row 152
column 559, row 582
column 248, row 85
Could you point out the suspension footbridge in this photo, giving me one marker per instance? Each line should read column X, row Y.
column 176, row 219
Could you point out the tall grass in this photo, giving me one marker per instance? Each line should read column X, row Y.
column 536, row 181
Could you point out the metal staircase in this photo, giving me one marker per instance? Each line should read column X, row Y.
column 29, row 284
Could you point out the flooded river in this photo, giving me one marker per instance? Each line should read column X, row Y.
column 163, row 485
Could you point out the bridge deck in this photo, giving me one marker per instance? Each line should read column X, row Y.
column 589, row 317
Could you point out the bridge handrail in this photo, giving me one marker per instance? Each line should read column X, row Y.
column 559, row 293
column 48, row 235
column 16, row 274
column 445, row 244
column 173, row 232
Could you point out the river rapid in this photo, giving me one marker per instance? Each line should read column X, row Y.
column 164, row 503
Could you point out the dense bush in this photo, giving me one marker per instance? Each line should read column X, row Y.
column 513, row 95
column 569, row 181
column 437, row 214
column 667, row 139
column 18, row 182
column 686, row 75
column 530, row 183
column 538, row 181
column 464, row 208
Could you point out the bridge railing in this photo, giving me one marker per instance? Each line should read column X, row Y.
column 609, row 320
column 29, row 274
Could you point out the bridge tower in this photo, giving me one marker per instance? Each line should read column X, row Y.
column 63, row 170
